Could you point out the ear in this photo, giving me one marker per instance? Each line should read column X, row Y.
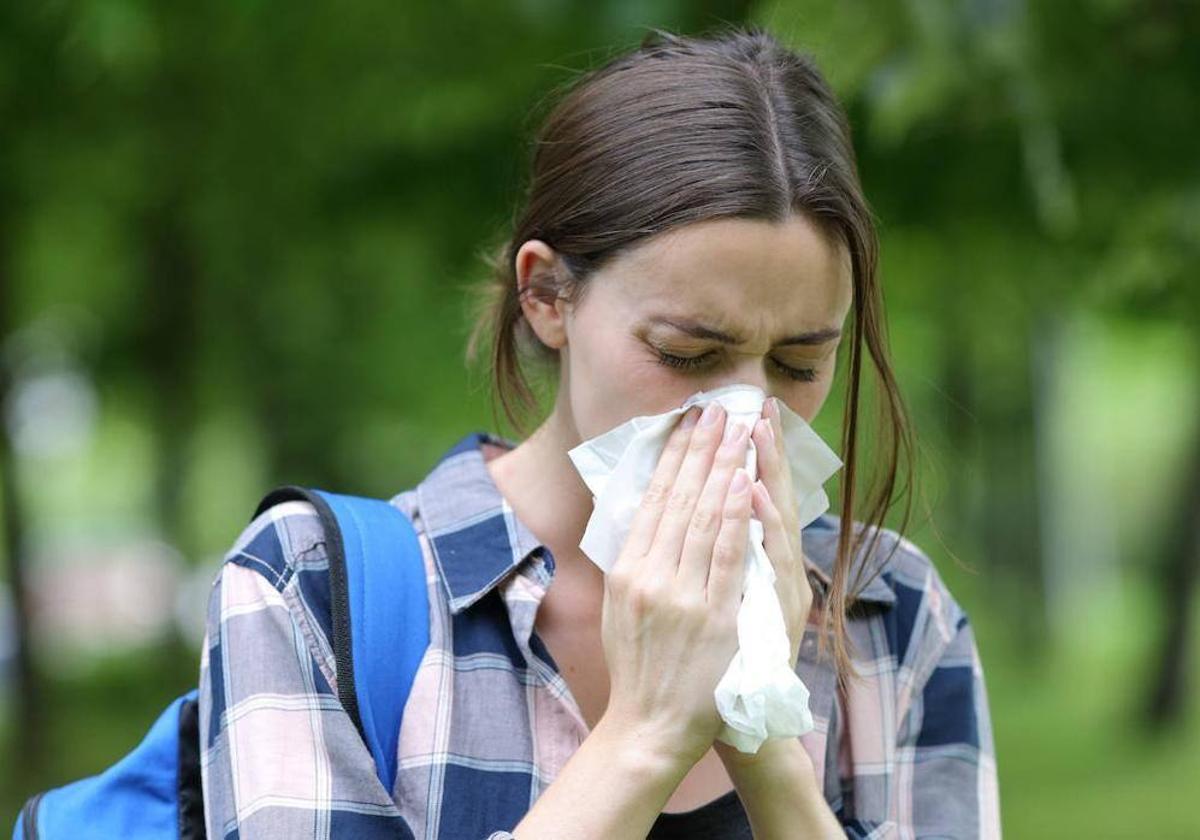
column 540, row 275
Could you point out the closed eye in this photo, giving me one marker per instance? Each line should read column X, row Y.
column 694, row 362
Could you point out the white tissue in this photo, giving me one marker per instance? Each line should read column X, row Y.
column 760, row 696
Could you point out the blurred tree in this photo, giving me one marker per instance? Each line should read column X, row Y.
column 1050, row 146
column 29, row 78
column 274, row 211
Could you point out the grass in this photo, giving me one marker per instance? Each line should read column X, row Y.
column 1074, row 755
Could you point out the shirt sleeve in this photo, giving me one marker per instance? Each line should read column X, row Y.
column 949, row 786
column 280, row 756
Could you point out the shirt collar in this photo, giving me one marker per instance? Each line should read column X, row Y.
column 820, row 538
column 478, row 540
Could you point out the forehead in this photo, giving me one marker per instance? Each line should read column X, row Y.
column 747, row 273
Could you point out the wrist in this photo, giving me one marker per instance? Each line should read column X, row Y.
column 782, row 789
column 647, row 754
column 777, row 758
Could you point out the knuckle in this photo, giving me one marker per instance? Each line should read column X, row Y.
column 656, row 492
column 705, row 520
column 640, row 597
column 680, row 499
column 688, row 604
column 725, row 553
column 619, row 579
column 636, row 606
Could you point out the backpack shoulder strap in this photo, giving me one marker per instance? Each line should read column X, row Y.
column 380, row 611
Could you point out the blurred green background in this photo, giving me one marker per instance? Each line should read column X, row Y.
column 238, row 243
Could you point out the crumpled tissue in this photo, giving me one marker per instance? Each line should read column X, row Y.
column 760, row 696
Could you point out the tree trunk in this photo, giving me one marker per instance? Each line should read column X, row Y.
column 1166, row 703
column 27, row 738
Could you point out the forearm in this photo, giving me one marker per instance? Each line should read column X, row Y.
column 614, row 786
column 781, row 793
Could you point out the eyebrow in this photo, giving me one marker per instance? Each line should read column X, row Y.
column 703, row 331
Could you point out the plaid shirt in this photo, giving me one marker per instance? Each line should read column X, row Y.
column 489, row 723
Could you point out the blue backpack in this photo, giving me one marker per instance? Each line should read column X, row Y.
column 380, row 621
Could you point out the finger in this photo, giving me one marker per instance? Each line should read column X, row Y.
column 791, row 578
column 681, row 501
column 727, row 568
column 654, row 498
column 775, row 473
column 696, row 555
column 775, row 537
column 791, row 575
column 769, row 460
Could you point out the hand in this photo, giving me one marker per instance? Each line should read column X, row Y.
column 781, row 539
column 776, row 507
column 669, row 618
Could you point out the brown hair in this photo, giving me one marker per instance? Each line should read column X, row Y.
column 684, row 129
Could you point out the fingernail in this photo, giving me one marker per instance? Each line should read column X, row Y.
column 740, row 481
column 689, row 418
column 710, row 415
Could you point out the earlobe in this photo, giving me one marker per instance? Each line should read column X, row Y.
column 547, row 323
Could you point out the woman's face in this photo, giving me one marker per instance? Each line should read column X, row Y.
column 713, row 303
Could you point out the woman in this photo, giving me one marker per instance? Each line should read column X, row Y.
column 694, row 219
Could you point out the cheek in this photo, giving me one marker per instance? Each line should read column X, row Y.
column 618, row 383
column 808, row 399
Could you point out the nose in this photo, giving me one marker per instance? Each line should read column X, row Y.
column 749, row 370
